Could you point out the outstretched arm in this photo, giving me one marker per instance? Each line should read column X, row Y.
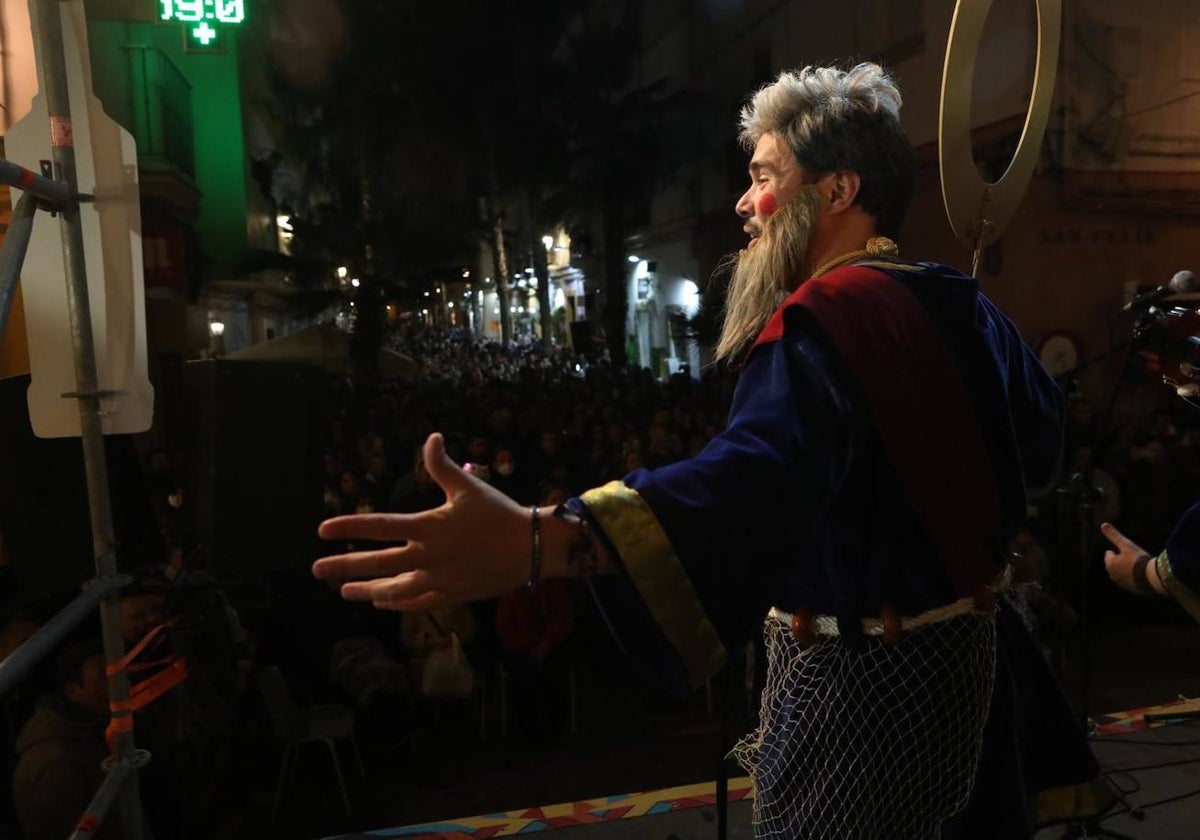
column 477, row 545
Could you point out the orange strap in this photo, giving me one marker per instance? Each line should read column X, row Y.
column 148, row 690
column 150, row 638
column 151, row 688
column 140, row 696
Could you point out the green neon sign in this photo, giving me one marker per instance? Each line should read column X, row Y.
column 202, row 18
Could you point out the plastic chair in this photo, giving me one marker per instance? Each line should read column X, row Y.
column 296, row 726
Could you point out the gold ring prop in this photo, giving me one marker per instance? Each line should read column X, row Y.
column 979, row 211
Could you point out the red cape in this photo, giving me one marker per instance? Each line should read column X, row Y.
column 915, row 395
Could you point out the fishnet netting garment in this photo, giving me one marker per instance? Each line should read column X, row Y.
column 878, row 744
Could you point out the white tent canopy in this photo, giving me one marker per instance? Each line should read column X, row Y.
column 325, row 346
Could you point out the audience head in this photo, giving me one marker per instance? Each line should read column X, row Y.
column 79, row 669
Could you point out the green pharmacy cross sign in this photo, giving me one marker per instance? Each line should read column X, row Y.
column 202, row 19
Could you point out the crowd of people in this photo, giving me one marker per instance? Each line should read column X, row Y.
column 528, row 420
column 538, row 425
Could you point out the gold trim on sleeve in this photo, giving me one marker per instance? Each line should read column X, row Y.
column 1176, row 588
column 659, row 576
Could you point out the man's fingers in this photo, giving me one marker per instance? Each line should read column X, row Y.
column 1116, row 537
column 383, row 527
column 363, row 564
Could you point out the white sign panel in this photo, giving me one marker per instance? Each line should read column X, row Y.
column 106, row 166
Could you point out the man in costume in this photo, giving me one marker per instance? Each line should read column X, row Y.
column 887, row 421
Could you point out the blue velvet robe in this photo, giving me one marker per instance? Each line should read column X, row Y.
column 1179, row 563
column 795, row 505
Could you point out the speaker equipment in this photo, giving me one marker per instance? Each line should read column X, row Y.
column 44, row 515
column 253, row 483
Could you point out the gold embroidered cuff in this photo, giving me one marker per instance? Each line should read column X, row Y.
column 1176, row 588
column 659, row 576
column 1089, row 799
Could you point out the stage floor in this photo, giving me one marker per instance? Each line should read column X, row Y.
column 1158, row 768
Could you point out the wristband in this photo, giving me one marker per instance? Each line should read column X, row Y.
column 535, row 560
column 1141, row 581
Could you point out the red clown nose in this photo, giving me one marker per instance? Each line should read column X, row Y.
column 767, row 205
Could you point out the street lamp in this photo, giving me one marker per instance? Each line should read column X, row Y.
column 216, row 337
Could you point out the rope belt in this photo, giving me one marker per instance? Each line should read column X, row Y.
column 827, row 625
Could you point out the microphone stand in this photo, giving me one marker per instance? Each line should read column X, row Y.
column 1081, row 496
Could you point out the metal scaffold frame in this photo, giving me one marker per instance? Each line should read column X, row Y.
column 56, row 190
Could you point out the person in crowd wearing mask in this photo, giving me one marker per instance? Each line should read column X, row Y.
column 508, row 477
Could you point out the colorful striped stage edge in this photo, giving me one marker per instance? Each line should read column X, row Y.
column 1134, row 720
column 567, row 814
column 703, row 794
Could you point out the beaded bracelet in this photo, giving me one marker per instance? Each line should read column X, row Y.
column 535, row 561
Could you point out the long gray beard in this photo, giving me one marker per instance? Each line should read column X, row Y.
column 764, row 275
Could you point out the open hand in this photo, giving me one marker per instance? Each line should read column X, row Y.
column 475, row 546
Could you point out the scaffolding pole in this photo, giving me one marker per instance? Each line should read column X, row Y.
column 93, row 817
column 34, row 649
column 53, row 78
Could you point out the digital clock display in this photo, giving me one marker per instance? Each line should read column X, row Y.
column 196, row 11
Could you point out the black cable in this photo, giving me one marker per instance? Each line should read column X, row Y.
column 1169, row 799
column 1137, row 811
column 1137, row 785
column 1154, row 766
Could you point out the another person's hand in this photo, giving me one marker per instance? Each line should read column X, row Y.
column 1122, row 564
column 475, row 546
